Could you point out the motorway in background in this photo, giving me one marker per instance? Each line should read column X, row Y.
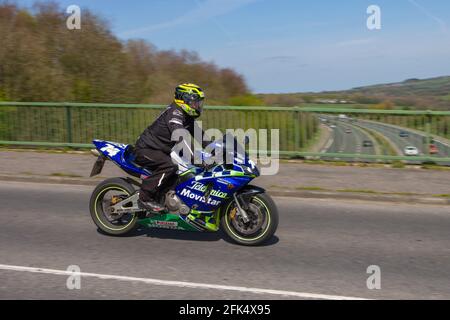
column 409, row 138
column 349, row 139
column 349, row 134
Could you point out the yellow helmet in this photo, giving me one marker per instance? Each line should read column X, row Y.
column 190, row 98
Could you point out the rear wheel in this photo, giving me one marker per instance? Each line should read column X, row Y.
column 106, row 194
column 262, row 224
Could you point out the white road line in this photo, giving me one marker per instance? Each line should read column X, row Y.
column 181, row 284
column 329, row 142
column 328, row 145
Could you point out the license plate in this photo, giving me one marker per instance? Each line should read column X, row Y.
column 98, row 166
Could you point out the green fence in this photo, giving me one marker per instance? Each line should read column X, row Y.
column 393, row 131
column 77, row 124
column 301, row 129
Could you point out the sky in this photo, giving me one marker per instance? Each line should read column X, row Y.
column 282, row 46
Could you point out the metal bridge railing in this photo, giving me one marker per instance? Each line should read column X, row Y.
column 327, row 133
column 77, row 124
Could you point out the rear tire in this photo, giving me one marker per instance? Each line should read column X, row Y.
column 265, row 213
column 98, row 213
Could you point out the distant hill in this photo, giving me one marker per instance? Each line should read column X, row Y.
column 435, row 87
column 433, row 93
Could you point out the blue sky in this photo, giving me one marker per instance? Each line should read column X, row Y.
column 293, row 45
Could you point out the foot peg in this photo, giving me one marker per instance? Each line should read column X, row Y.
column 151, row 206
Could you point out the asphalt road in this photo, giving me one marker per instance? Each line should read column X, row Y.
column 413, row 139
column 321, row 247
column 350, row 142
column 344, row 142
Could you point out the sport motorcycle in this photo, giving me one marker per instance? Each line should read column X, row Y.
column 202, row 198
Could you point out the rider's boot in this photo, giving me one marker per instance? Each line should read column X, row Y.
column 149, row 204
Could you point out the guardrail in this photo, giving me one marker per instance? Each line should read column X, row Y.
column 77, row 124
column 427, row 130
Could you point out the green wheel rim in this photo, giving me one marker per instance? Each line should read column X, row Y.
column 102, row 193
column 227, row 222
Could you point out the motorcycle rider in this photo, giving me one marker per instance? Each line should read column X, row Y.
column 154, row 145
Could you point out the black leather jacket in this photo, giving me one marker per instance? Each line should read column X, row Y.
column 158, row 135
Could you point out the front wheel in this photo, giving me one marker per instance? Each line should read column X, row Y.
column 263, row 215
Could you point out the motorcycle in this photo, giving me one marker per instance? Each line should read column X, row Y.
column 201, row 198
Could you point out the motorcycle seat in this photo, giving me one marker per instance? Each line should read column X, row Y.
column 130, row 156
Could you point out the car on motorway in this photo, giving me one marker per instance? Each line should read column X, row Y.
column 403, row 134
column 348, row 130
column 433, row 149
column 332, row 126
column 411, row 151
column 367, row 143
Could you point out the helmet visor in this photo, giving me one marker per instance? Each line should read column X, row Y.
column 196, row 102
column 198, row 105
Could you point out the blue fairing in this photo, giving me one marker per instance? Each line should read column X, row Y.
column 205, row 192
column 117, row 152
column 192, row 191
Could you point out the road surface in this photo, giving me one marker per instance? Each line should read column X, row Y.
column 349, row 139
column 412, row 139
column 343, row 141
column 321, row 247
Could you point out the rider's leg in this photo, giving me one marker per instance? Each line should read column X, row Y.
column 163, row 170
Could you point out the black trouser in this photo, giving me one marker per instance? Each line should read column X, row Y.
column 162, row 168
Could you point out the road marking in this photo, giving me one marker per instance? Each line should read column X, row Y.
column 328, row 145
column 181, row 284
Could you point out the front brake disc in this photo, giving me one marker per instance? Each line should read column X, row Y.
column 255, row 223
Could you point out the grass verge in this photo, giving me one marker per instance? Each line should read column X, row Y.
column 66, row 175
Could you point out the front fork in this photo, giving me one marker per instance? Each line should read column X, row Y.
column 241, row 200
column 241, row 211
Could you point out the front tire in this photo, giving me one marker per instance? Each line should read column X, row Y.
column 100, row 200
column 263, row 214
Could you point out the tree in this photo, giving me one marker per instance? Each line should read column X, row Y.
column 41, row 60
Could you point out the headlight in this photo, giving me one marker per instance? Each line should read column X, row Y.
column 251, row 168
column 248, row 170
